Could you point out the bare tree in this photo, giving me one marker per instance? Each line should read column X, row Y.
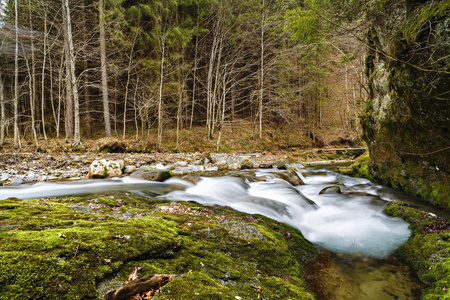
column 72, row 81
column 261, row 84
column 106, row 114
column 3, row 111
column 16, row 79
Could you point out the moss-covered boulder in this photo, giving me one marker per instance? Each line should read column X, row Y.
column 406, row 123
column 428, row 248
column 105, row 168
column 81, row 247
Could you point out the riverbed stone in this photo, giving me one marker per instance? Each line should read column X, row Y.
column 222, row 164
column 148, row 173
column 246, row 163
column 17, row 180
column 289, row 176
column 129, row 169
column 182, row 164
column 105, row 168
column 335, row 189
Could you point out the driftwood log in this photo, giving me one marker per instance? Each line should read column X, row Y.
column 140, row 285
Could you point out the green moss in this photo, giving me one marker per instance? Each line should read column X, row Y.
column 360, row 168
column 107, row 201
column 427, row 250
column 418, row 19
column 66, row 248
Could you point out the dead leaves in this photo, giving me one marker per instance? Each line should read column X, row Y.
column 134, row 274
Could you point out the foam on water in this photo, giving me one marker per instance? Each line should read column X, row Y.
column 348, row 223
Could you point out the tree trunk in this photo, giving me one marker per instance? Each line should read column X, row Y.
column 68, row 112
column 209, row 92
column 194, row 77
column 43, row 75
column 160, row 112
column 136, row 123
column 33, row 96
column 222, row 118
column 3, row 112
column 16, row 81
column 71, row 75
column 261, row 85
column 101, row 9
column 32, row 100
column 87, row 112
column 127, row 86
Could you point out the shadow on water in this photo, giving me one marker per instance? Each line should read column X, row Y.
column 341, row 277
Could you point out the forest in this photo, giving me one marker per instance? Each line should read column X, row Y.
column 140, row 69
column 224, row 149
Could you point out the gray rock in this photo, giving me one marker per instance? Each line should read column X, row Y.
column 182, row 164
column 17, row 180
column 290, row 176
column 4, row 177
column 331, row 190
column 129, row 169
column 151, row 174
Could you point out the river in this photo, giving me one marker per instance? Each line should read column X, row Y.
column 356, row 237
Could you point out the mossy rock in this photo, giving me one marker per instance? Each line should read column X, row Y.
column 428, row 248
column 78, row 247
column 360, row 168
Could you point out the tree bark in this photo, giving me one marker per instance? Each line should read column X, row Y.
column 32, row 100
column 87, row 112
column 43, row 75
column 16, row 80
column 160, row 112
column 2, row 109
column 101, row 8
column 71, row 75
column 261, row 85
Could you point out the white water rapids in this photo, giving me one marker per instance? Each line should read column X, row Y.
column 349, row 223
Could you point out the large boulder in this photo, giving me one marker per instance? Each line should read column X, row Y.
column 407, row 119
column 148, row 173
column 105, row 168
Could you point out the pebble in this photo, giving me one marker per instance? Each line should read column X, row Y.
column 64, row 166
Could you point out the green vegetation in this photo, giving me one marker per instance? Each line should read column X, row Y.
column 404, row 122
column 77, row 247
column 428, row 248
column 408, row 177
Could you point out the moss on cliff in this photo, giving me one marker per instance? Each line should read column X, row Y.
column 428, row 248
column 406, row 123
column 79, row 247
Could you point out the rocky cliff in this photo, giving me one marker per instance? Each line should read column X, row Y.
column 407, row 121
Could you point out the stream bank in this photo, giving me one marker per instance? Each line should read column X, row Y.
column 107, row 235
column 81, row 247
column 428, row 248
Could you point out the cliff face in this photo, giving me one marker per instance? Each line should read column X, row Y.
column 407, row 121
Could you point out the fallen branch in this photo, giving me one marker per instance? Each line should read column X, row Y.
column 140, row 285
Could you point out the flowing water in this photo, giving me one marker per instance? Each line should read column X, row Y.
column 357, row 237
